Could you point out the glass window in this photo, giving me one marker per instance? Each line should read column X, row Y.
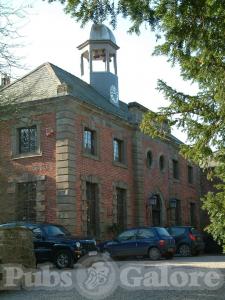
column 89, row 141
column 26, row 201
column 175, row 169
column 121, row 207
column 118, row 150
column 176, row 231
column 128, row 235
column 27, row 139
column 149, row 159
column 192, row 214
column 52, row 230
column 190, row 174
column 161, row 163
column 162, row 231
column 145, row 233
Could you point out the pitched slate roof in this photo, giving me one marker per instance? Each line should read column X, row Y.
column 43, row 83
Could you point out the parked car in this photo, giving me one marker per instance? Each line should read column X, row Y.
column 189, row 241
column 54, row 243
column 153, row 242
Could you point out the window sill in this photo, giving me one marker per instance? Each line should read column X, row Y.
column 120, row 164
column 26, row 155
column 91, row 156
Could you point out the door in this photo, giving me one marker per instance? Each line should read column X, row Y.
column 125, row 244
column 156, row 212
column 145, row 238
column 92, row 209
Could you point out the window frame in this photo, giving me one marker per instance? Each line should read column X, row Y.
column 149, row 163
column 190, row 175
column 15, row 140
column 175, row 169
column 96, row 142
column 122, row 151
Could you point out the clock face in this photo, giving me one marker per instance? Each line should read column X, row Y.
column 114, row 94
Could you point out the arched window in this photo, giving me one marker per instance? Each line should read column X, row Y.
column 149, row 159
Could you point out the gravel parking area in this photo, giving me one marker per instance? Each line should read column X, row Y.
column 204, row 264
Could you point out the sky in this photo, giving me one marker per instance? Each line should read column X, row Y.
column 49, row 35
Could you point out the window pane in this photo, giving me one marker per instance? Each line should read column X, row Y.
column 175, row 169
column 162, row 231
column 145, row 234
column 26, row 197
column 89, row 141
column 190, row 174
column 27, row 139
column 128, row 235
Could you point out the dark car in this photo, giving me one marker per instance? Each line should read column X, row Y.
column 153, row 242
column 54, row 243
column 189, row 241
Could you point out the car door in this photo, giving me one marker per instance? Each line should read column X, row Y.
column 41, row 247
column 125, row 244
column 146, row 237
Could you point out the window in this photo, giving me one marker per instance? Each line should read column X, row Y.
column 161, row 163
column 121, row 207
column 156, row 212
column 162, row 231
column 118, row 150
column 149, row 159
column 92, row 208
column 27, row 139
column 90, row 141
column 190, row 174
column 145, row 234
column 178, row 212
column 176, row 231
column 175, row 169
column 26, row 201
column 55, row 231
column 192, row 214
column 128, row 235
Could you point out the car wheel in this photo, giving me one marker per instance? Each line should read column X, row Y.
column 154, row 254
column 169, row 256
column 63, row 259
column 184, row 250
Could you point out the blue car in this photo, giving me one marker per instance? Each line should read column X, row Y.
column 151, row 242
column 54, row 243
column 189, row 241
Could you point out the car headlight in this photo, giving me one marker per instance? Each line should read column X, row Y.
column 77, row 244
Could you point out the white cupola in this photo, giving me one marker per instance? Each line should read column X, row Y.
column 99, row 62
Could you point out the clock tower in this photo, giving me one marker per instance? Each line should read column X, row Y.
column 99, row 62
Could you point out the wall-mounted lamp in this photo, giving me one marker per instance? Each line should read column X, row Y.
column 152, row 199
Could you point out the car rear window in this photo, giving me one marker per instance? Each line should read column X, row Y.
column 176, row 231
column 194, row 231
column 162, row 231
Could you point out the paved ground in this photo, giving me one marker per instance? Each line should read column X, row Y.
column 195, row 265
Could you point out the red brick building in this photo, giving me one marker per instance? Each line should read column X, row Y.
column 76, row 155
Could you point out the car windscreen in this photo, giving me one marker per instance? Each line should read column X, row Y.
column 162, row 231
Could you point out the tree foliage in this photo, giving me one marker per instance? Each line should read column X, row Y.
column 191, row 34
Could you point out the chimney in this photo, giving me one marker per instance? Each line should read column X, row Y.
column 5, row 80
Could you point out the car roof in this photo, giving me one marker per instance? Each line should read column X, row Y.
column 22, row 223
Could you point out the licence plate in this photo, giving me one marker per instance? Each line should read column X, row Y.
column 92, row 253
